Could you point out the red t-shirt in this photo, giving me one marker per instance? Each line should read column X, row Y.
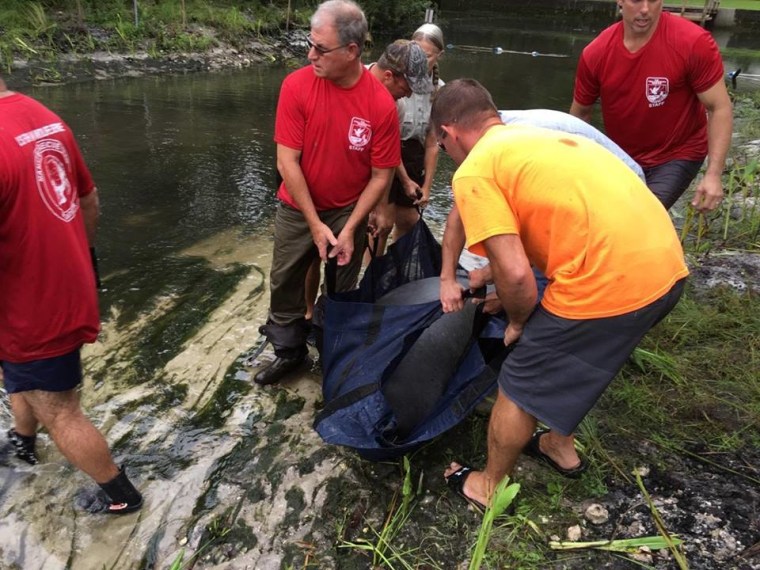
column 48, row 301
column 342, row 134
column 649, row 98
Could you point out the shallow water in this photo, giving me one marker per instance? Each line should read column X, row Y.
column 184, row 165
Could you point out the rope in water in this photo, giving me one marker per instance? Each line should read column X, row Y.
column 498, row 51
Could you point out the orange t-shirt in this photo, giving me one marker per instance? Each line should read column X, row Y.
column 585, row 219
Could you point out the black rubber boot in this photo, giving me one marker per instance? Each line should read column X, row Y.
column 24, row 445
column 123, row 495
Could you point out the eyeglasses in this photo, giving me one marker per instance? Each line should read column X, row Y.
column 319, row 49
column 440, row 144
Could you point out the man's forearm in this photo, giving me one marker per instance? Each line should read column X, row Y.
column 373, row 192
column 452, row 245
column 584, row 112
column 402, row 174
column 299, row 191
column 431, row 159
column 512, row 276
column 719, row 132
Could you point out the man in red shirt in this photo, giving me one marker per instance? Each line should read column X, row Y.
column 664, row 101
column 337, row 138
column 48, row 302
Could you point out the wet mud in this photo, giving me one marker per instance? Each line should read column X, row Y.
column 66, row 68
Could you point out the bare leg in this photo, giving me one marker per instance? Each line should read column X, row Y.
column 405, row 220
column 313, row 276
column 560, row 448
column 509, row 431
column 73, row 433
column 23, row 417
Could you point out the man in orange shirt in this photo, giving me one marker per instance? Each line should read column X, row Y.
column 572, row 209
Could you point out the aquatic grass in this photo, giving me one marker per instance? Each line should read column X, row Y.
column 168, row 25
column 589, row 445
column 516, row 541
column 27, row 31
column 6, row 54
column 747, row 114
column 190, row 287
column 127, row 32
column 382, row 549
column 706, row 384
column 741, row 204
column 628, row 545
column 36, row 21
column 673, row 543
column 503, row 497
column 736, row 224
column 744, row 54
column 695, row 231
column 178, row 561
column 215, row 531
column 659, row 362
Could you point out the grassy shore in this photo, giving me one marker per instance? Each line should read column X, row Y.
column 735, row 4
column 44, row 30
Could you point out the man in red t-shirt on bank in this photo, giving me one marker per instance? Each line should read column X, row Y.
column 48, row 299
column 337, row 138
column 656, row 74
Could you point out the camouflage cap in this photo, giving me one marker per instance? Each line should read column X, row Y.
column 408, row 59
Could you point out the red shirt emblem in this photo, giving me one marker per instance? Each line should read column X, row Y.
column 657, row 90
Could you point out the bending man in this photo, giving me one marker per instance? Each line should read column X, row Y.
column 562, row 203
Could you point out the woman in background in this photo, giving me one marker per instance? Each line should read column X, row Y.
column 419, row 151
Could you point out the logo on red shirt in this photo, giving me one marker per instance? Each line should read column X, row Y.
column 52, row 166
column 359, row 133
column 657, row 90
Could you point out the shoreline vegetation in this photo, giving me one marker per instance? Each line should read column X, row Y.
column 683, row 414
column 39, row 40
column 51, row 42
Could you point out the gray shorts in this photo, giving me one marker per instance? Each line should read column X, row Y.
column 560, row 367
column 670, row 180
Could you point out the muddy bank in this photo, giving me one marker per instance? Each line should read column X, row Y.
column 287, row 49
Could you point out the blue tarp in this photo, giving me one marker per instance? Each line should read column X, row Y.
column 397, row 375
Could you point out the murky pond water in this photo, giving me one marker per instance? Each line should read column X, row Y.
column 184, row 165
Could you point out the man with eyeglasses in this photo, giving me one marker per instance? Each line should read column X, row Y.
column 337, row 138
